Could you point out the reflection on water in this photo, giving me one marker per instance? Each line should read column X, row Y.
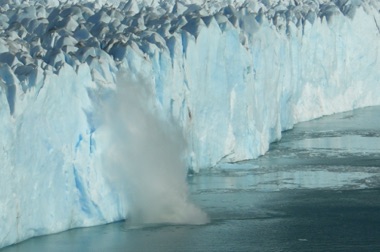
column 301, row 196
column 341, row 151
column 340, row 144
column 313, row 177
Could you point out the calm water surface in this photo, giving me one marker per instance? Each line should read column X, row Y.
column 318, row 189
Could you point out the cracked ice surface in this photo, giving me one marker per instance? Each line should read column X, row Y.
column 233, row 75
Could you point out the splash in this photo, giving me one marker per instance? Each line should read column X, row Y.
column 145, row 158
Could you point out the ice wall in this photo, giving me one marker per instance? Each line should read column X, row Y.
column 233, row 77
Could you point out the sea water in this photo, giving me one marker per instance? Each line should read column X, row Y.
column 318, row 189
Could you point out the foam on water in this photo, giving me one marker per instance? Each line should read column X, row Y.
column 232, row 75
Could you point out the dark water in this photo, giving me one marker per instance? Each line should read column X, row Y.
column 318, row 189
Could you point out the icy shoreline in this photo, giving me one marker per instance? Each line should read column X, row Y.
column 233, row 78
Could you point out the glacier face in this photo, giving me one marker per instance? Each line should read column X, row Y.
column 231, row 76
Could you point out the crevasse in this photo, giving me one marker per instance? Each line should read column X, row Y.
column 232, row 76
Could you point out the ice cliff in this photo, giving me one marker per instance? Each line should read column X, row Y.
column 232, row 75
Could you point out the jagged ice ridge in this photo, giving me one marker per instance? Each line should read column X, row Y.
column 232, row 74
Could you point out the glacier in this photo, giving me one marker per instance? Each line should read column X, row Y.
column 231, row 74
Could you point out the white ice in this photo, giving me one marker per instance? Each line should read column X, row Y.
column 231, row 74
